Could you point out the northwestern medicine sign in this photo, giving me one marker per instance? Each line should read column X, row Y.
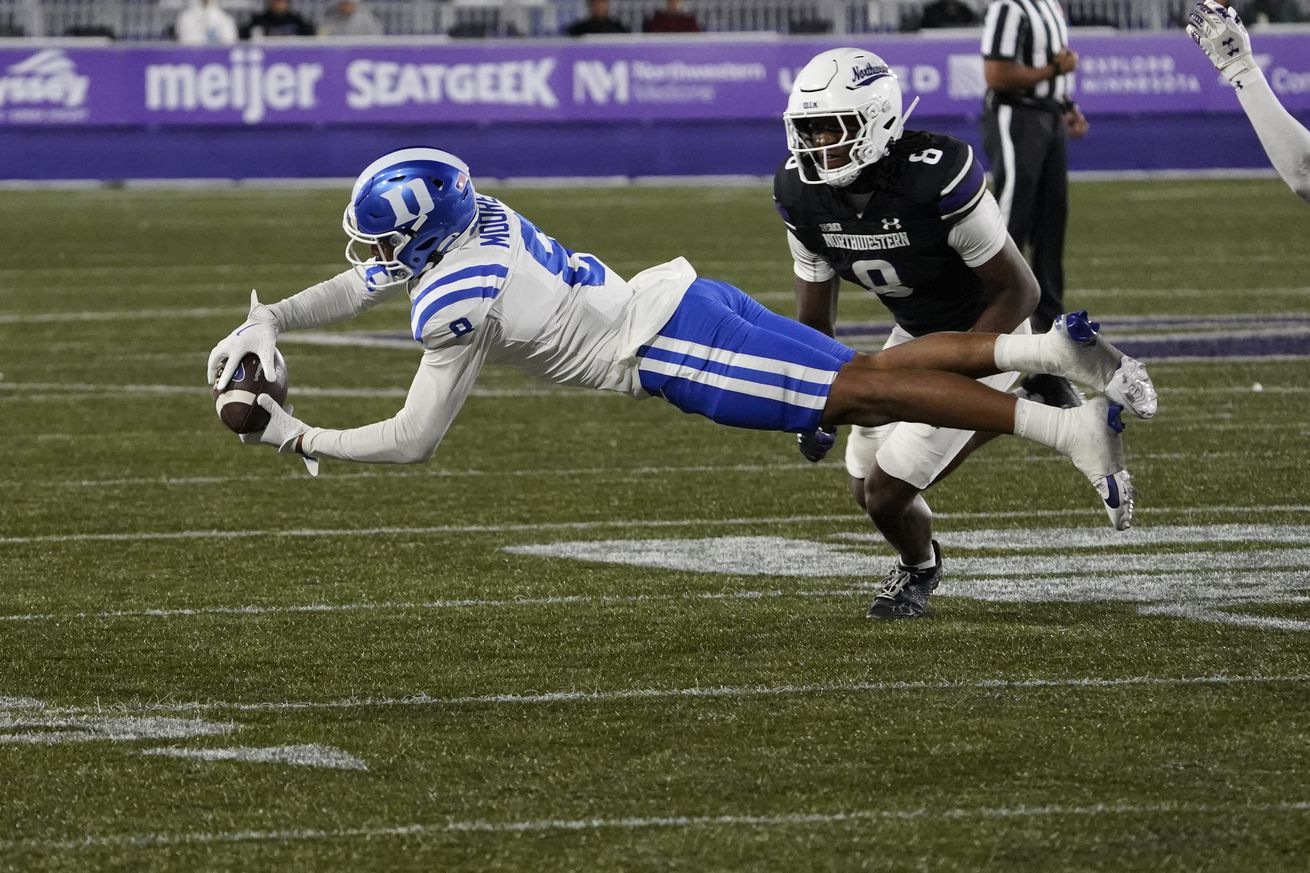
column 291, row 83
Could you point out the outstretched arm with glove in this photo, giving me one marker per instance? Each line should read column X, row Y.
column 1219, row 32
column 340, row 298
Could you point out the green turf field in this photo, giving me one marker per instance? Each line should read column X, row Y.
column 595, row 634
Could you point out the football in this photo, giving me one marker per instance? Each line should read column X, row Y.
column 236, row 404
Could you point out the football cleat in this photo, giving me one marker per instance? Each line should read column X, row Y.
column 904, row 593
column 1086, row 357
column 1097, row 451
column 1050, row 390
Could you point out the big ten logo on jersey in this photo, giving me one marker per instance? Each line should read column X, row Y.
column 422, row 197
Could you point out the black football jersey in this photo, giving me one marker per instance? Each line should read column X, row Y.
column 897, row 247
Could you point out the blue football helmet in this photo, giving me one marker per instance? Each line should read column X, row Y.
column 407, row 208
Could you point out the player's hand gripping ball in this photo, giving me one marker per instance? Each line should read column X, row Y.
column 236, row 404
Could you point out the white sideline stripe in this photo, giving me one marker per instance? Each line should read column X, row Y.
column 782, row 466
column 1265, row 389
column 38, row 725
column 149, row 840
column 707, row 692
column 1082, row 538
column 117, row 315
column 78, row 390
column 618, row 472
column 973, row 578
column 313, row 755
column 188, row 270
column 551, row 600
column 1217, row 614
column 1101, row 536
column 407, row 531
column 1217, row 332
column 82, row 390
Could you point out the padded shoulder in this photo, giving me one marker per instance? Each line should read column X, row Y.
column 787, row 190
column 454, row 299
column 931, row 164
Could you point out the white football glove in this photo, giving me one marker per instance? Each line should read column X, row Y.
column 258, row 335
column 283, row 432
column 1219, row 32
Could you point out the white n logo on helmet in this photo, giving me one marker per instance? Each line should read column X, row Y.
column 396, row 197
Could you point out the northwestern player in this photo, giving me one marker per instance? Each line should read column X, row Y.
column 1219, row 32
column 483, row 281
column 906, row 215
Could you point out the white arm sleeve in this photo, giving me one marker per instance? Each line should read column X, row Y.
column 340, row 298
column 440, row 387
column 981, row 234
column 1286, row 142
column 808, row 266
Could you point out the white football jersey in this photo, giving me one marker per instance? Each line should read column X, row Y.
column 512, row 294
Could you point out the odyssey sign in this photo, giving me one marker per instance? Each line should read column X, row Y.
column 45, row 84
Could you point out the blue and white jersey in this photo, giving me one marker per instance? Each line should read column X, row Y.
column 512, row 294
column 556, row 313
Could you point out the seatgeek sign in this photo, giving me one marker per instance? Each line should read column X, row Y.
column 307, row 83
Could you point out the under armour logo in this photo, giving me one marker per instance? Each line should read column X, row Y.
column 891, row 224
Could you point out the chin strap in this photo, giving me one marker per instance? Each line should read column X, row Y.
column 906, row 115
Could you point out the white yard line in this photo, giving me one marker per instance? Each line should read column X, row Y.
column 851, row 517
column 422, row 473
column 63, row 391
column 1216, row 614
column 118, row 315
column 1140, row 573
column 411, row 531
column 421, row 699
column 59, row 391
column 312, row 755
column 462, row 603
column 148, row 840
column 789, row 463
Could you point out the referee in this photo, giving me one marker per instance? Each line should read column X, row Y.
column 1027, row 114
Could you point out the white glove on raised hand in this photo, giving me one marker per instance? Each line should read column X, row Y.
column 258, row 335
column 1218, row 30
column 283, row 432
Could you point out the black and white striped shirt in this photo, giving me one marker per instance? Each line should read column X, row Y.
column 1030, row 32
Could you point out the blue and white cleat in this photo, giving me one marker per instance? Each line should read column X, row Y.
column 1097, row 451
column 1089, row 359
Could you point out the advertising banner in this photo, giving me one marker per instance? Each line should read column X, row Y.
column 289, row 83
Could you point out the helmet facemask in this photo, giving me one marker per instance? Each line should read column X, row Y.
column 366, row 251
column 853, row 94
column 867, row 135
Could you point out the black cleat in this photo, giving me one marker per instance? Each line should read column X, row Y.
column 1051, row 390
column 904, row 593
